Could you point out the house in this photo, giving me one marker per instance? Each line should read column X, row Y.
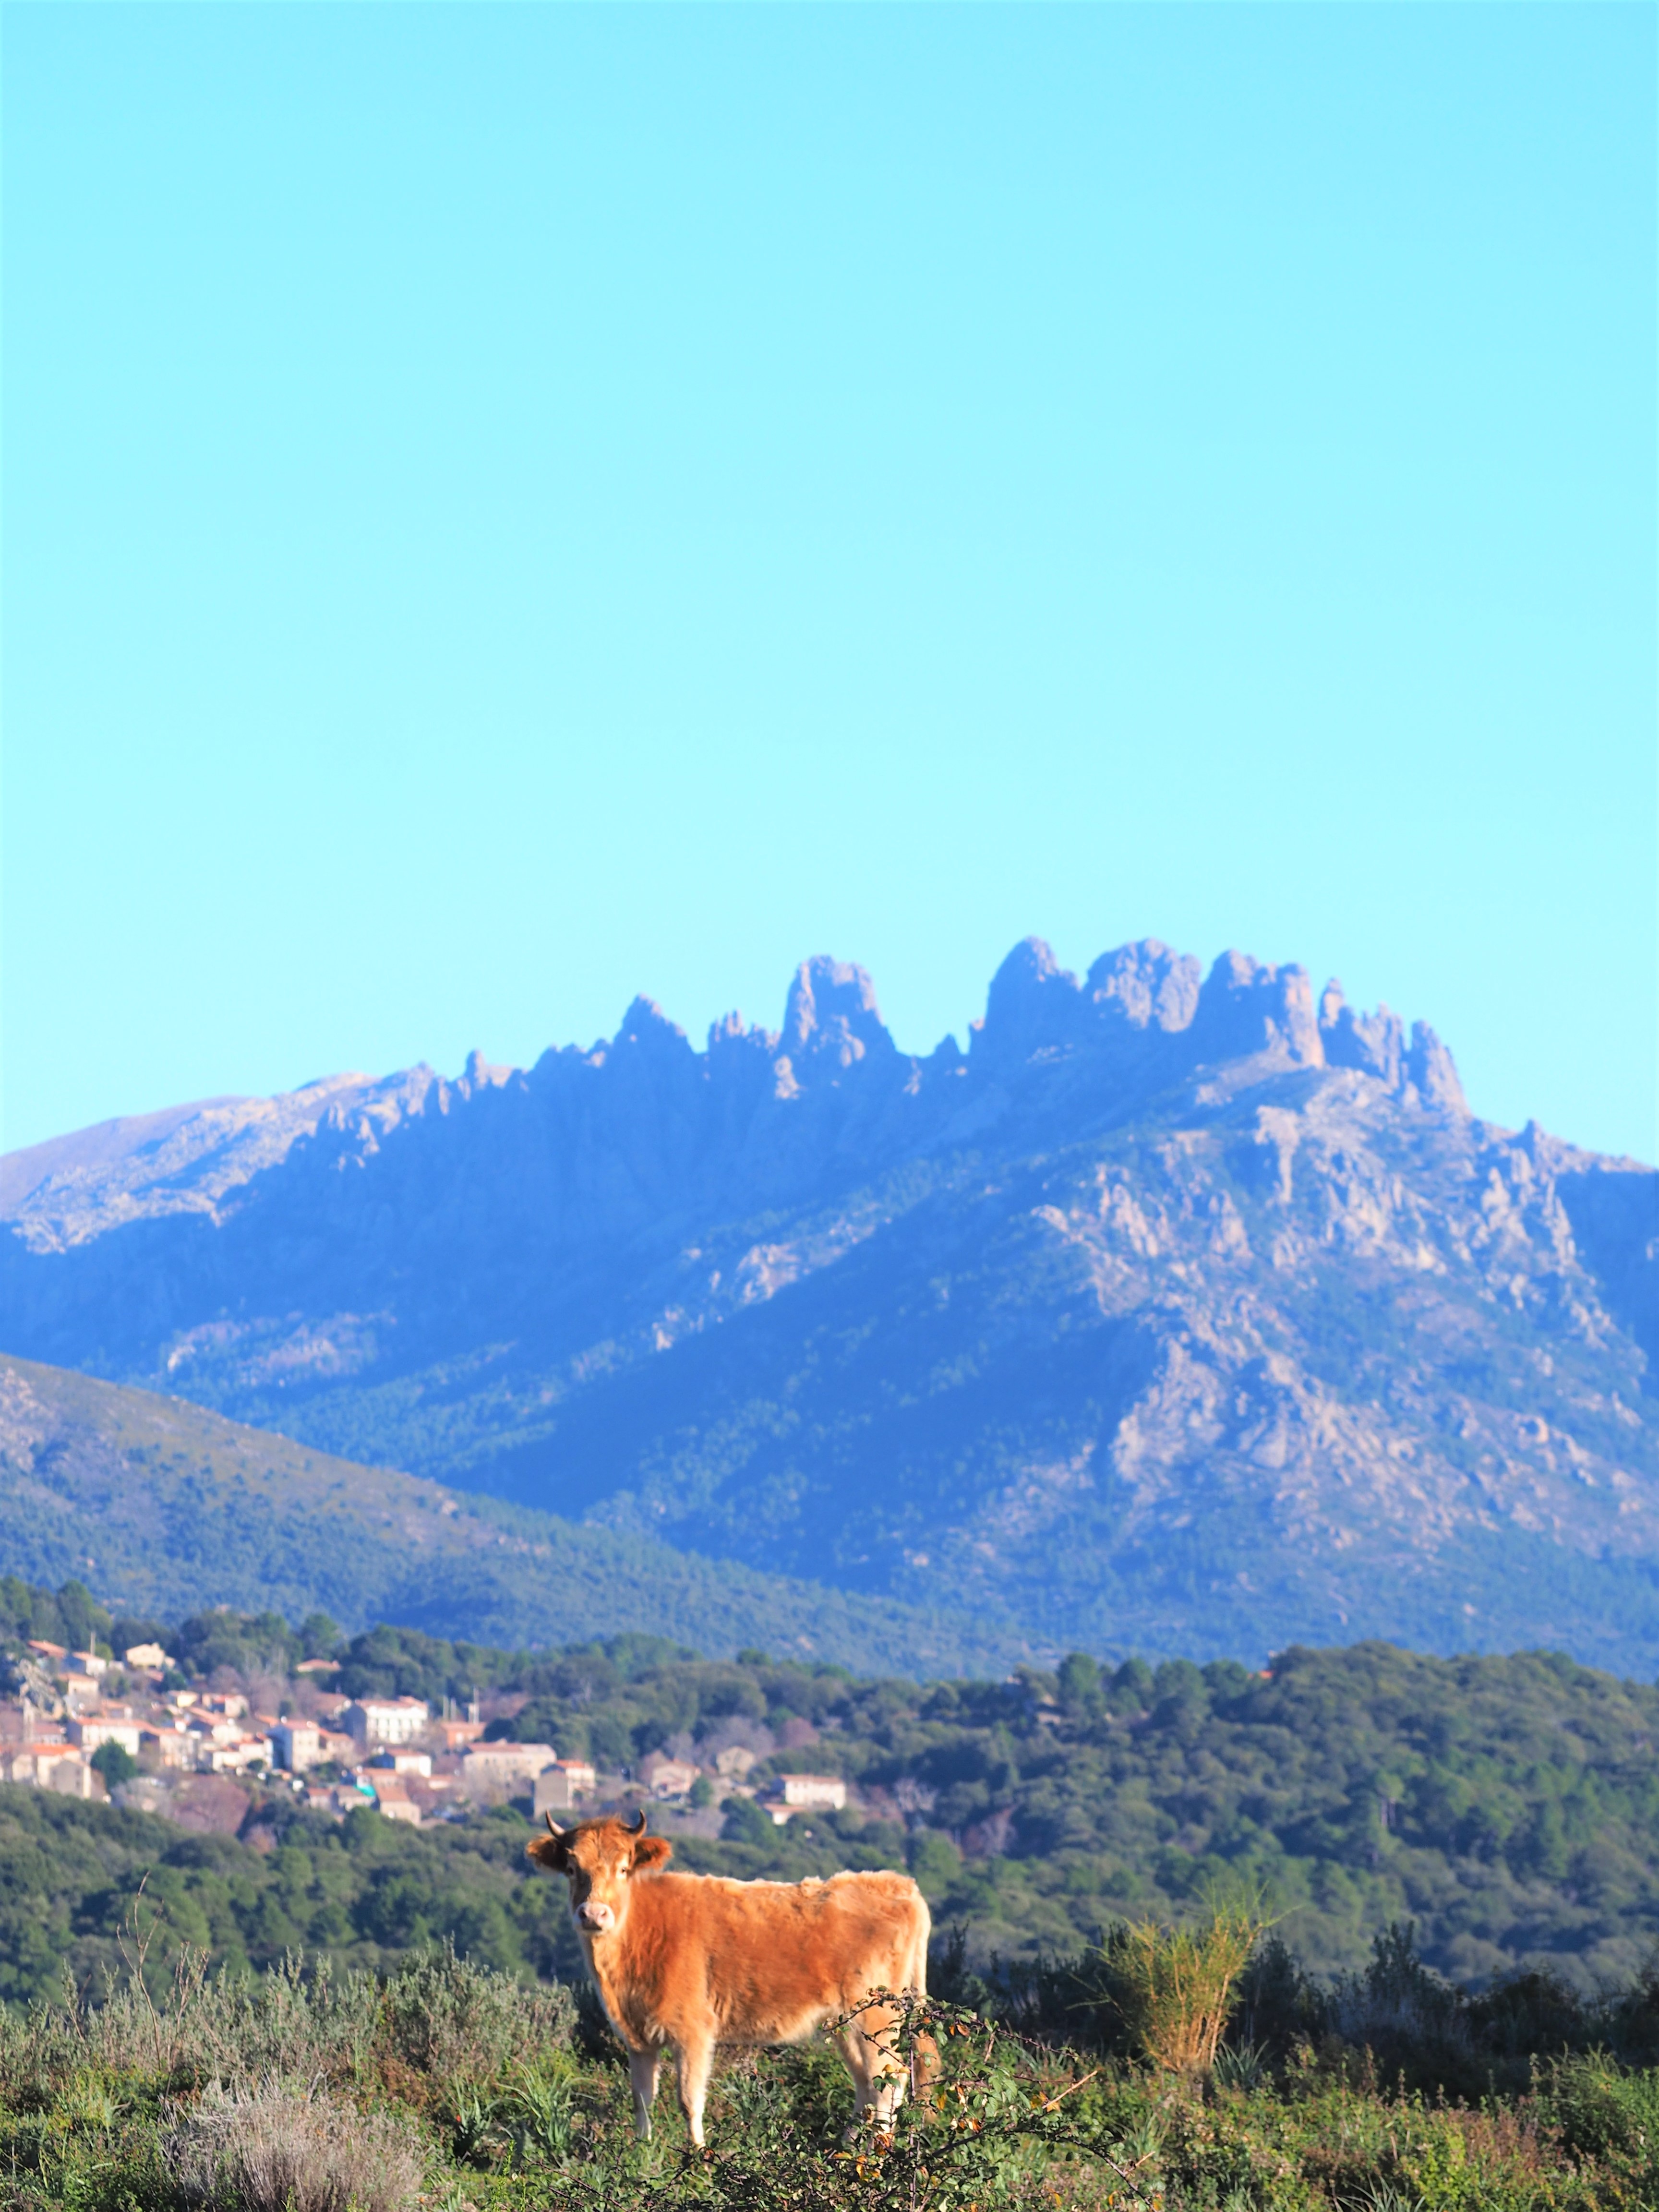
column 496, row 1763
column 391, row 1798
column 388, row 1720
column 665, row 1776
column 91, row 1733
column 399, row 1762
column 50, row 1652
column 213, row 1728
column 146, row 1654
column 89, row 1663
column 169, row 1747
column 455, row 1734
column 297, row 1745
column 236, row 1756
column 317, row 1667
column 558, row 1787
column 50, row 1764
column 79, row 1685
column 788, row 1793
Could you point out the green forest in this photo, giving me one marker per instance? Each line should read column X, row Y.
column 1507, row 1807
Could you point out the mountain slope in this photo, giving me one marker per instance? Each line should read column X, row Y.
column 164, row 1510
column 1177, row 1314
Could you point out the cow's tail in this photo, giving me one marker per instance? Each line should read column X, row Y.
column 921, row 1935
column 925, row 2063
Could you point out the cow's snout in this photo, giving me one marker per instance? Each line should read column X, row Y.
column 595, row 1916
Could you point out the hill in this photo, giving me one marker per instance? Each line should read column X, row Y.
column 1507, row 1805
column 165, row 1509
column 1179, row 1314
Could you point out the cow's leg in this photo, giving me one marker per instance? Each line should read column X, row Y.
column 867, row 2045
column 696, row 2058
column 854, row 2051
column 887, row 2071
column 642, row 2079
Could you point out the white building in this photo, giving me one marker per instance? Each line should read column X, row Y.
column 505, row 1762
column 806, row 1793
column 237, row 1756
column 297, row 1745
column 399, row 1762
column 388, row 1720
column 90, row 1734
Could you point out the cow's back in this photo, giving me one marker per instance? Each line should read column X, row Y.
column 774, row 1959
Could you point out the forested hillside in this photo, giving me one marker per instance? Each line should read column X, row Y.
column 169, row 1509
column 1508, row 1804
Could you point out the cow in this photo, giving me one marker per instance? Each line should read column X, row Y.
column 694, row 1961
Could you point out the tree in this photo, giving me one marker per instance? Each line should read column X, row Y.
column 1081, row 1696
column 746, row 1823
column 115, row 1764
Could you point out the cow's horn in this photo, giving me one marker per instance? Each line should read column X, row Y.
column 636, row 1827
column 553, row 1827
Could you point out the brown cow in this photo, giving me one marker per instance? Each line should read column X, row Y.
column 694, row 1960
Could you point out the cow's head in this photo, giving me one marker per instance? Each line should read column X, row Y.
column 599, row 1858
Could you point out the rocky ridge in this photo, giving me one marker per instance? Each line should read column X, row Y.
column 1178, row 1305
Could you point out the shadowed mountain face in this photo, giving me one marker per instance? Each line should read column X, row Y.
column 1179, row 1313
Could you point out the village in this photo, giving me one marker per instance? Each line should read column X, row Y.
column 132, row 1728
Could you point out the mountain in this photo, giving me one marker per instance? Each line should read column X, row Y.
column 1179, row 1313
column 164, row 1510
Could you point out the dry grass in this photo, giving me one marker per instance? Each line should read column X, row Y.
column 268, row 2148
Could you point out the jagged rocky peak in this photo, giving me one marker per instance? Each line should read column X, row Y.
column 1374, row 1043
column 1431, row 1067
column 1033, row 1002
column 832, row 1015
column 732, row 1034
column 480, row 1074
column 1146, row 986
column 1247, row 1007
column 647, row 1028
column 1143, row 991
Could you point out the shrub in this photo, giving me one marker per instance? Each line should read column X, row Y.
column 1175, row 1987
column 269, row 2147
column 1605, row 2112
column 461, row 2023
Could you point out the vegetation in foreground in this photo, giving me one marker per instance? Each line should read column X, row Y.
column 446, row 2083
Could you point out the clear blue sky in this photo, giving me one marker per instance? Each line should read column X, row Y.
column 506, row 508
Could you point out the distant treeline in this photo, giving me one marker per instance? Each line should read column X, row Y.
column 1510, row 1807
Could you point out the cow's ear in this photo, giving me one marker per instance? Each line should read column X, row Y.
column 548, row 1852
column 651, row 1851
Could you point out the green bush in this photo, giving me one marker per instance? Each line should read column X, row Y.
column 115, row 1764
